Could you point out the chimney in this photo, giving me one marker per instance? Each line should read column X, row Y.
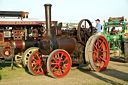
column 48, row 19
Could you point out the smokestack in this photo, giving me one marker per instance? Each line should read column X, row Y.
column 48, row 19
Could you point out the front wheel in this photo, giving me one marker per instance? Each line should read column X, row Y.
column 36, row 63
column 59, row 63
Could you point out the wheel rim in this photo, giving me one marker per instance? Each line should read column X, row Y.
column 27, row 55
column 60, row 64
column 37, row 64
column 18, row 60
column 101, row 53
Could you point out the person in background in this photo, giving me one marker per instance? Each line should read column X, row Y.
column 98, row 26
column 113, row 31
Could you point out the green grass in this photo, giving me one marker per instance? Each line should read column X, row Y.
column 7, row 73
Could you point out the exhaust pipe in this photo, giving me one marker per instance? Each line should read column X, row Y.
column 48, row 19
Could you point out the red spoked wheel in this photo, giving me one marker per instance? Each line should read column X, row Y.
column 99, row 53
column 59, row 63
column 37, row 64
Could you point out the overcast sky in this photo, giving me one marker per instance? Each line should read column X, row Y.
column 69, row 10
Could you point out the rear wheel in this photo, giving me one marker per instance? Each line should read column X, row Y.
column 125, row 52
column 59, row 63
column 98, row 53
column 37, row 64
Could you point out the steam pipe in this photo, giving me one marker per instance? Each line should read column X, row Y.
column 48, row 19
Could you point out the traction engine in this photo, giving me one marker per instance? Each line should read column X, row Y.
column 59, row 51
column 17, row 36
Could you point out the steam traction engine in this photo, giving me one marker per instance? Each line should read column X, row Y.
column 22, row 34
column 58, row 52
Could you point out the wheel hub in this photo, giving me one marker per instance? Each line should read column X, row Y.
column 61, row 63
column 100, row 53
column 39, row 62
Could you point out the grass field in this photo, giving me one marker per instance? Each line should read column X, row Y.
column 115, row 74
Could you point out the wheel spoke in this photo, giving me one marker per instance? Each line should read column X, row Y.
column 34, row 58
column 104, row 50
column 99, row 64
column 34, row 63
column 94, row 55
column 64, row 68
column 35, row 66
column 38, row 69
column 95, row 46
column 38, row 56
column 97, row 43
column 42, row 70
column 94, row 51
column 60, row 71
column 54, row 63
column 54, row 59
column 58, row 56
column 101, row 44
column 64, row 60
column 62, row 55
column 66, row 64
column 54, row 67
column 102, row 59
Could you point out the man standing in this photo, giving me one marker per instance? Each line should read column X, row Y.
column 98, row 26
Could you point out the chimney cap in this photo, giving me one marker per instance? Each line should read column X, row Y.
column 47, row 4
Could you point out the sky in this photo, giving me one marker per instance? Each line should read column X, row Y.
column 69, row 10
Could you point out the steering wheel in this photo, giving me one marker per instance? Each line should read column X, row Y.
column 84, row 31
